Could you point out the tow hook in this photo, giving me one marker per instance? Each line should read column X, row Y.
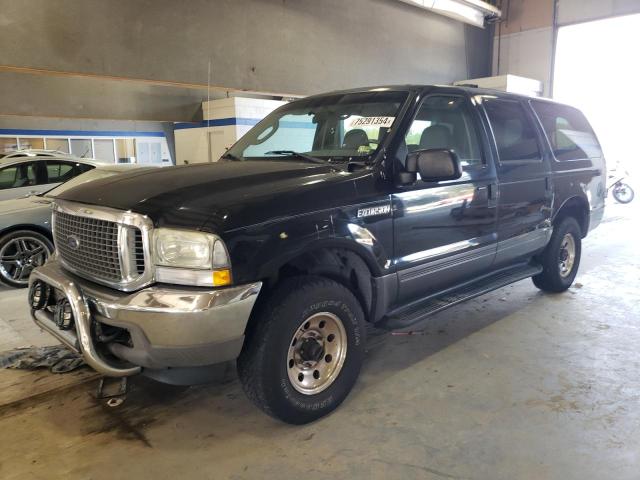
column 113, row 390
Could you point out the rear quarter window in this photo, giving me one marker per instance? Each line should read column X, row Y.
column 568, row 132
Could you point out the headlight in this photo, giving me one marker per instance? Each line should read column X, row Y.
column 191, row 258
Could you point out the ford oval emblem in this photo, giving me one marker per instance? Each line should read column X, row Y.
column 73, row 242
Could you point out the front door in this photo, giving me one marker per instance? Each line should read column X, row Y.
column 445, row 232
column 525, row 193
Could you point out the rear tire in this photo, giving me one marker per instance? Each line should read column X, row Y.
column 304, row 351
column 623, row 193
column 561, row 258
column 20, row 252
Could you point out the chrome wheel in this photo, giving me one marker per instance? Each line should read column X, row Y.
column 19, row 256
column 567, row 255
column 316, row 353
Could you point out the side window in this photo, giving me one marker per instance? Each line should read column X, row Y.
column 8, row 176
column 60, row 172
column 568, row 131
column 445, row 121
column 515, row 135
column 16, row 176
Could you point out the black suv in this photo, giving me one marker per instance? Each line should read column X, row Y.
column 380, row 205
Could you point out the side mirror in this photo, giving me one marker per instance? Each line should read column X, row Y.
column 434, row 165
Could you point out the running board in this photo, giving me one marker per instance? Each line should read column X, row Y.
column 413, row 313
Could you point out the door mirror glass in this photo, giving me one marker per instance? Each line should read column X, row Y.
column 435, row 164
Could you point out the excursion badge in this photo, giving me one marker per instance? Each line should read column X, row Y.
column 373, row 211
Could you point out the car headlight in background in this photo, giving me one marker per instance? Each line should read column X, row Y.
column 191, row 258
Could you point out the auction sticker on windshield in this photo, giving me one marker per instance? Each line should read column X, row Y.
column 360, row 122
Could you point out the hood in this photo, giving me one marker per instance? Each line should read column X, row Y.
column 220, row 196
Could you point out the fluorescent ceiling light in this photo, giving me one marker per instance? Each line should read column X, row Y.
column 473, row 12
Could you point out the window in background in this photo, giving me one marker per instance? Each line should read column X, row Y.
column 515, row 136
column 81, row 147
column 60, row 144
column 8, row 144
column 125, row 150
column 148, row 152
column 104, row 150
column 31, row 143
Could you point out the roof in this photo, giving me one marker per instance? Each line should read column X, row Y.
column 35, row 152
column 15, row 160
column 470, row 90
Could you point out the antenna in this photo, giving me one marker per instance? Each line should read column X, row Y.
column 208, row 109
column 208, row 90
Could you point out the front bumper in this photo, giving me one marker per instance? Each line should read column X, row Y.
column 168, row 326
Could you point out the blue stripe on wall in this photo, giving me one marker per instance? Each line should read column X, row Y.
column 218, row 122
column 79, row 133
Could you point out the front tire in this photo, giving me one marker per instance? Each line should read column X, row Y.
column 20, row 252
column 304, row 351
column 561, row 258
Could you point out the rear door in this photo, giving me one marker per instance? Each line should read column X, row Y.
column 445, row 232
column 525, row 191
column 577, row 164
column 59, row 171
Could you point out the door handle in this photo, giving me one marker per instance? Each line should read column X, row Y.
column 489, row 193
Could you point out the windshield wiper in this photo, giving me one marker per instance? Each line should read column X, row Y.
column 296, row 154
column 231, row 156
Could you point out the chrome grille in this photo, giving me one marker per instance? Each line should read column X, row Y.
column 90, row 247
column 138, row 251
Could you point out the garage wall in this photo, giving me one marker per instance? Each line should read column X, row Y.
column 149, row 59
column 525, row 45
column 573, row 11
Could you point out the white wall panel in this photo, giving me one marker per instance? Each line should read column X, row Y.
column 527, row 54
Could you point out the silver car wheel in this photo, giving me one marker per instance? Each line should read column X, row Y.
column 317, row 353
column 20, row 256
column 567, row 255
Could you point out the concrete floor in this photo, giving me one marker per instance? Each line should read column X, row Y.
column 512, row 385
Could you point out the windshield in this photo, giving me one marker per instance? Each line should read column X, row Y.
column 89, row 176
column 330, row 127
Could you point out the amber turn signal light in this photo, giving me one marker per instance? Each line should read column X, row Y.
column 221, row 278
